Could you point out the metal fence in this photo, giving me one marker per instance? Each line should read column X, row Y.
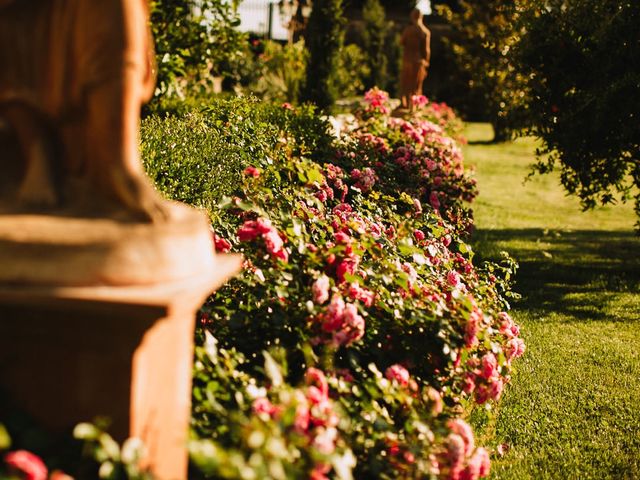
column 261, row 17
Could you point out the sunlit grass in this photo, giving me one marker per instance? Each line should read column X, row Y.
column 572, row 409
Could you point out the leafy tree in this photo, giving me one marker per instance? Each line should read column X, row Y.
column 324, row 38
column 194, row 38
column 376, row 30
column 581, row 59
column 483, row 35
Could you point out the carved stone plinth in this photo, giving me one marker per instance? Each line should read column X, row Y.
column 70, row 353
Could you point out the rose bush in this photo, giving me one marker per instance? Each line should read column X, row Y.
column 355, row 264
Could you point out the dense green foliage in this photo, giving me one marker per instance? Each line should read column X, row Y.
column 324, row 38
column 581, row 60
column 358, row 282
column 199, row 156
column 374, row 36
column 193, row 40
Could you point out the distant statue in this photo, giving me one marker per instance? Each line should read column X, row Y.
column 73, row 76
column 416, row 55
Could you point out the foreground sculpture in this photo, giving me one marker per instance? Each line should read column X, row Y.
column 74, row 75
column 416, row 55
column 100, row 276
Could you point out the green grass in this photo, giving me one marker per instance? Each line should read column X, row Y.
column 572, row 409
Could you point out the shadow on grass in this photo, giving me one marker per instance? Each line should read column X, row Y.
column 577, row 273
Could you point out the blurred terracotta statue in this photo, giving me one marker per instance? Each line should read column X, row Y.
column 73, row 76
column 416, row 55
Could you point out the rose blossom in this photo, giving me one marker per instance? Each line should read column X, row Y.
column 453, row 278
column 462, row 428
column 318, row 388
column 263, row 405
column 222, row 245
column 434, row 200
column 302, row 416
column 485, row 462
column 252, row 229
column 399, row 374
column 325, row 441
column 252, row 172
column 320, row 290
column 319, row 472
column 455, row 451
column 29, row 465
column 436, row 400
column 489, row 366
column 495, row 388
column 515, row 348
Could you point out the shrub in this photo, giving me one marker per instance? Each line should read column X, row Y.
column 280, row 71
column 583, row 70
column 194, row 39
column 375, row 33
column 351, row 71
column 324, row 38
column 352, row 271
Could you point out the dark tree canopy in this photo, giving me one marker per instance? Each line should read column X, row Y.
column 483, row 33
column 581, row 59
column 324, row 38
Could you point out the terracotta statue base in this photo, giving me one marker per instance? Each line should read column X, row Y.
column 40, row 249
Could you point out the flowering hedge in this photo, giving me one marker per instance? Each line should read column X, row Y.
column 360, row 285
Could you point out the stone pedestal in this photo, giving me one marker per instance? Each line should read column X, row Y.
column 71, row 353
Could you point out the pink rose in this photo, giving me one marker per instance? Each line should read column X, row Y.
column 489, row 366
column 320, row 472
column 469, row 384
column 399, row 374
column 462, row 428
column 342, row 238
column 434, row 200
column 455, row 450
column 358, row 293
column 453, row 278
column 482, row 394
column 485, row 462
column 515, row 348
column 317, row 380
column 320, row 290
column 495, row 388
column 419, row 235
column 471, row 329
column 252, row 172
column 222, row 245
column 302, row 417
column 419, row 100
column 325, row 441
column 436, row 401
column 346, row 266
column 263, row 405
column 30, row 466
column 252, row 229
column 59, row 475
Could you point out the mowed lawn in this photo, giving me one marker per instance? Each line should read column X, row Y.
column 572, row 410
